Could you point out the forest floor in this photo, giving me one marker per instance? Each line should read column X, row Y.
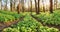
column 2, row 26
column 55, row 26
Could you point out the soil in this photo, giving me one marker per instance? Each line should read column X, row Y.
column 8, row 24
column 49, row 25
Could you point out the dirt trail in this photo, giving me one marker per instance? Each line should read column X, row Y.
column 55, row 26
column 2, row 26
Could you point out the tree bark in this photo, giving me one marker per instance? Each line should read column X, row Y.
column 31, row 6
column 51, row 6
column 28, row 6
column 36, row 6
column 14, row 4
column 18, row 7
column 22, row 2
column 6, row 4
column 55, row 4
column 43, row 5
column 1, row 4
column 5, row 8
column 11, row 5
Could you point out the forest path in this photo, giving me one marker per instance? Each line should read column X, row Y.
column 55, row 26
column 2, row 26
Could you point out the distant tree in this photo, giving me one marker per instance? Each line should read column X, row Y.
column 15, row 4
column 51, row 6
column 11, row 5
column 6, row 4
column 22, row 2
column 19, row 7
column 43, row 5
column 38, row 7
column 1, row 4
column 31, row 6
column 55, row 4
column 5, row 8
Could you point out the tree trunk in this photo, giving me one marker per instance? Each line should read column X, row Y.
column 23, row 8
column 55, row 4
column 43, row 5
column 6, row 5
column 1, row 4
column 11, row 5
column 28, row 7
column 14, row 4
column 19, row 7
column 51, row 6
column 31, row 6
column 22, row 5
column 36, row 7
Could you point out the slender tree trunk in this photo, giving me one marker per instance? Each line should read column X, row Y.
column 31, row 6
column 23, row 6
column 1, row 4
column 43, row 5
column 18, row 8
column 51, row 6
column 28, row 7
column 36, row 6
column 5, row 8
column 43, row 8
column 6, row 4
column 56, row 3
column 11, row 5
column 14, row 4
